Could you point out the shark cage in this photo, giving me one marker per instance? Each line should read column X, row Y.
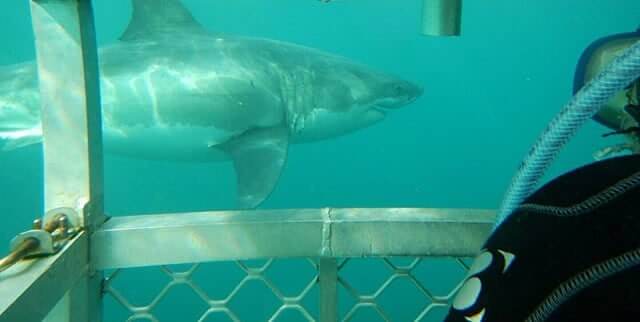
column 87, row 253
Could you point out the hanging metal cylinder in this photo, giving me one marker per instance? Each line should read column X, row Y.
column 441, row 17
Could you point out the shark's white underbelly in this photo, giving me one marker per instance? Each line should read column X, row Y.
column 180, row 143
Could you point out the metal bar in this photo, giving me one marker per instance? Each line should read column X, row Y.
column 31, row 288
column 409, row 232
column 69, row 94
column 441, row 17
column 328, row 279
column 69, row 86
column 79, row 302
column 228, row 235
column 60, row 312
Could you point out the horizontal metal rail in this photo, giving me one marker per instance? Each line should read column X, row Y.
column 145, row 240
column 31, row 288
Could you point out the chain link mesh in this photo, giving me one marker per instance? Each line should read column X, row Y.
column 369, row 289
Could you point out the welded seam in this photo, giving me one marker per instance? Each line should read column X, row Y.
column 327, row 222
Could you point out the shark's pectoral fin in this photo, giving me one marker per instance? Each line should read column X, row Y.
column 258, row 158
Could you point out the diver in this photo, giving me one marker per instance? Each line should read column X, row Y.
column 632, row 108
column 571, row 251
column 622, row 113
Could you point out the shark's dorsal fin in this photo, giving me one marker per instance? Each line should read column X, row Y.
column 155, row 17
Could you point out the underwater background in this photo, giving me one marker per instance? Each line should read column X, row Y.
column 488, row 95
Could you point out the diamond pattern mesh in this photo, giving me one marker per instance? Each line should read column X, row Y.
column 369, row 289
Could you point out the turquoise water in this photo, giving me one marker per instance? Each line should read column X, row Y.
column 488, row 94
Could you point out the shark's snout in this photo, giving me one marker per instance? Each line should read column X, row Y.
column 411, row 91
column 398, row 94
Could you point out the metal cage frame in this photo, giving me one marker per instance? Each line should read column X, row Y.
column 69, row 285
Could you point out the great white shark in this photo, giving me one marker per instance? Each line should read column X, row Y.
column 172, row 90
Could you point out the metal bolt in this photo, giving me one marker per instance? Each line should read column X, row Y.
column 56, row 234
column 37, row 223
column 63, row 222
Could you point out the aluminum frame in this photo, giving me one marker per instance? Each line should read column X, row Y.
column 67, row 286
column 66, row 56
column 31, row 288
column 325, row 233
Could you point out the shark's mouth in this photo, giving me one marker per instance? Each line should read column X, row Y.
column 386, row 104
column 382, row 109
column 394, row 102
column 389, row 103
column 398, row 95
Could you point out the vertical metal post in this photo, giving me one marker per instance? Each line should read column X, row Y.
column 69, row 95
column 441, row 17
column 77, row 305
column 72, row 130
column 328, row 278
